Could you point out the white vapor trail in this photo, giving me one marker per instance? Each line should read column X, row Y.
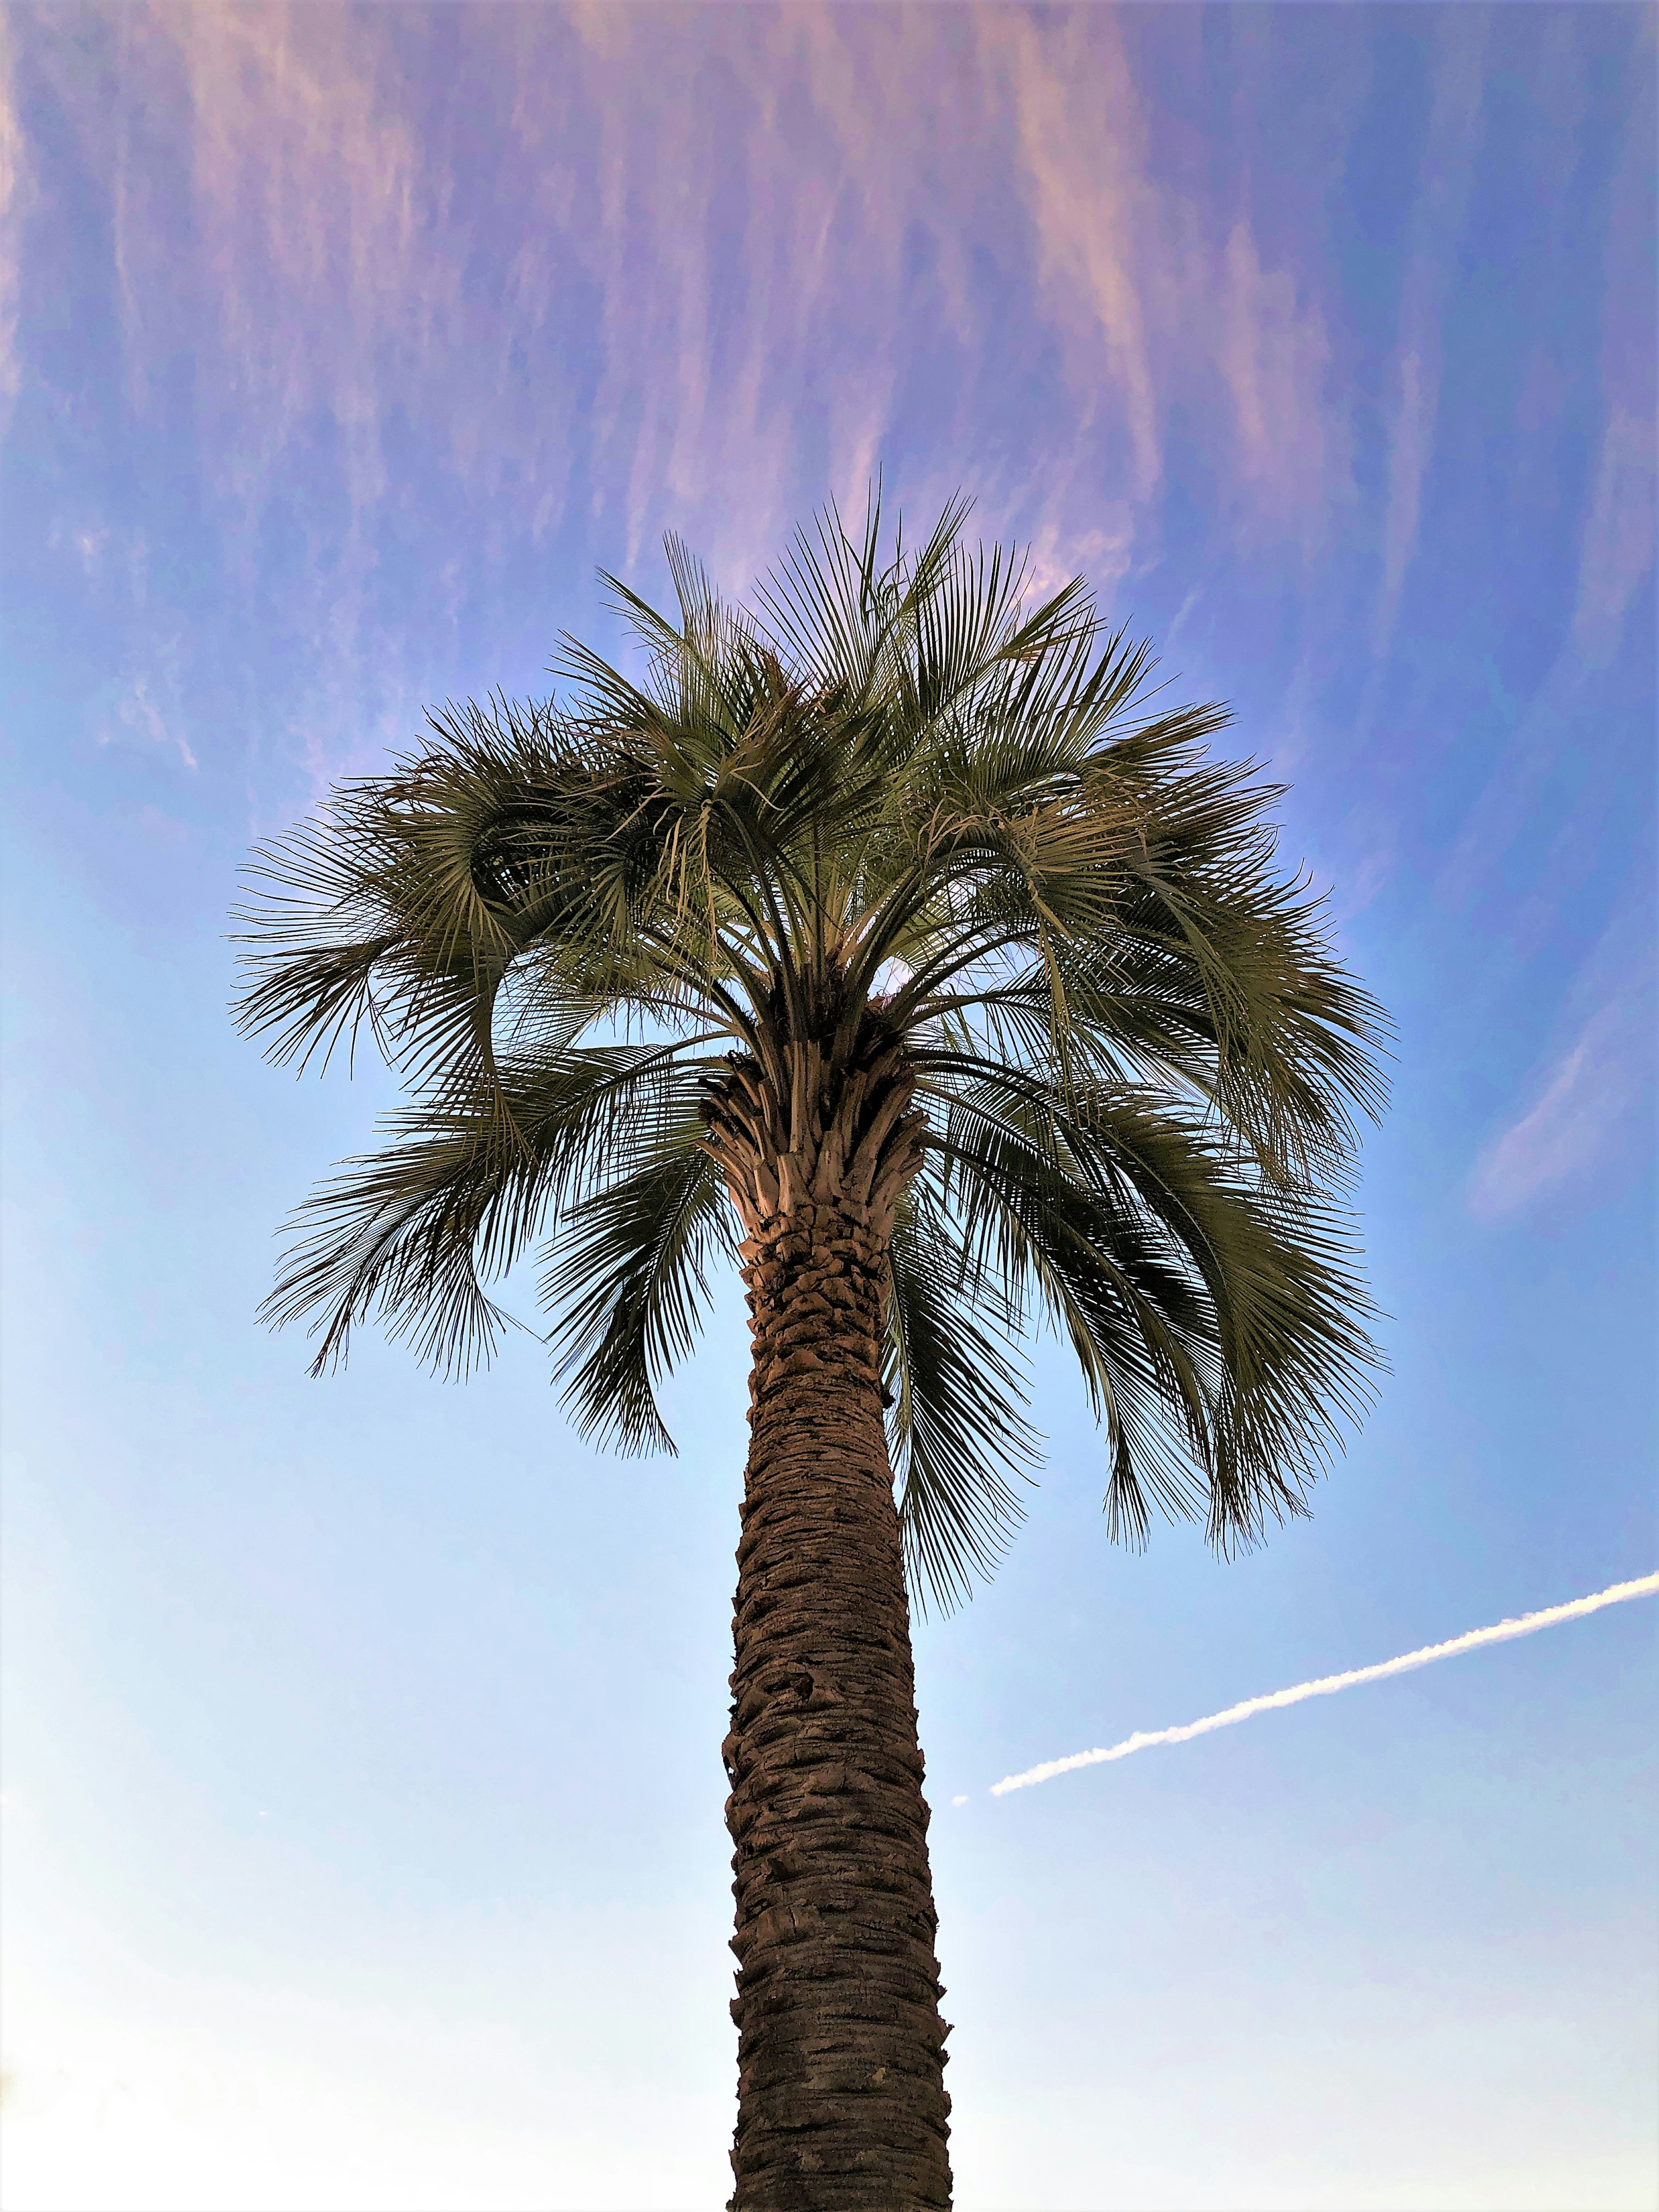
column 1328, row 1684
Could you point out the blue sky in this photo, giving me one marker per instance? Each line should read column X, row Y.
column 363, row 1845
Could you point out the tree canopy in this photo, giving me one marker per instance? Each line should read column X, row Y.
column 896, row 788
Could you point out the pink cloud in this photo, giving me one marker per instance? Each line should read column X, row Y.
column 686, row 280
column 1079, row 139
column 16, row 195
column 324, row 240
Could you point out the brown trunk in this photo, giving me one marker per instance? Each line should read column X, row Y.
column 841, row 2056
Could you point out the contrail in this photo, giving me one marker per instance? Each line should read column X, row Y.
column 1328, row 1684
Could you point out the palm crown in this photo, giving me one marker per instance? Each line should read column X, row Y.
column 894, row 851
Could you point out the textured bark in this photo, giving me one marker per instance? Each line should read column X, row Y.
column 841, row 2097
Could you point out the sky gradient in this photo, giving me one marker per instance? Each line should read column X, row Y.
column 363, row 1844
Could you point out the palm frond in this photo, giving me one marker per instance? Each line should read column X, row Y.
column 1218, row 1320
column 958, row 1427
column 412, row 1233
column 629, row 1285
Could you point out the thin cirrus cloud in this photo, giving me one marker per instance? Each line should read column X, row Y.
column 1616, row 552
column 1133, row 268
column 1079, row 131
column 16, row 199
column 140, row 715
column 541, row 282
column 1618, row 532
column 1276, row 359
column 1576, row 1114
column 708, row 301
column 1439, row 221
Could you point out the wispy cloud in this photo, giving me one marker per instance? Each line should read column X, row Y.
column 637, row 268
column 139, row 712
column 1577, row 1109
column 718, row 296
column 1617, row 552
column 87, row 541
column 1326, row 1685
column 1275, row 356
column 15, row 194
column 1439, row 220
column 1079, row 134
column 1159, row 302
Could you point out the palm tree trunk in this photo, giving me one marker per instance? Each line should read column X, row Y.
column 841, row 2099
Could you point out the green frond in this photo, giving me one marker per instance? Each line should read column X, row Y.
column 412, row 1233
column 959, row 1430
column 629, row 1285
column 1217, row 1319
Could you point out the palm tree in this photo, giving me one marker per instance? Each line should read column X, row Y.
column 889, row 939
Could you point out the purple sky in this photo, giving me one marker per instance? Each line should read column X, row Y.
column 364, row 1759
